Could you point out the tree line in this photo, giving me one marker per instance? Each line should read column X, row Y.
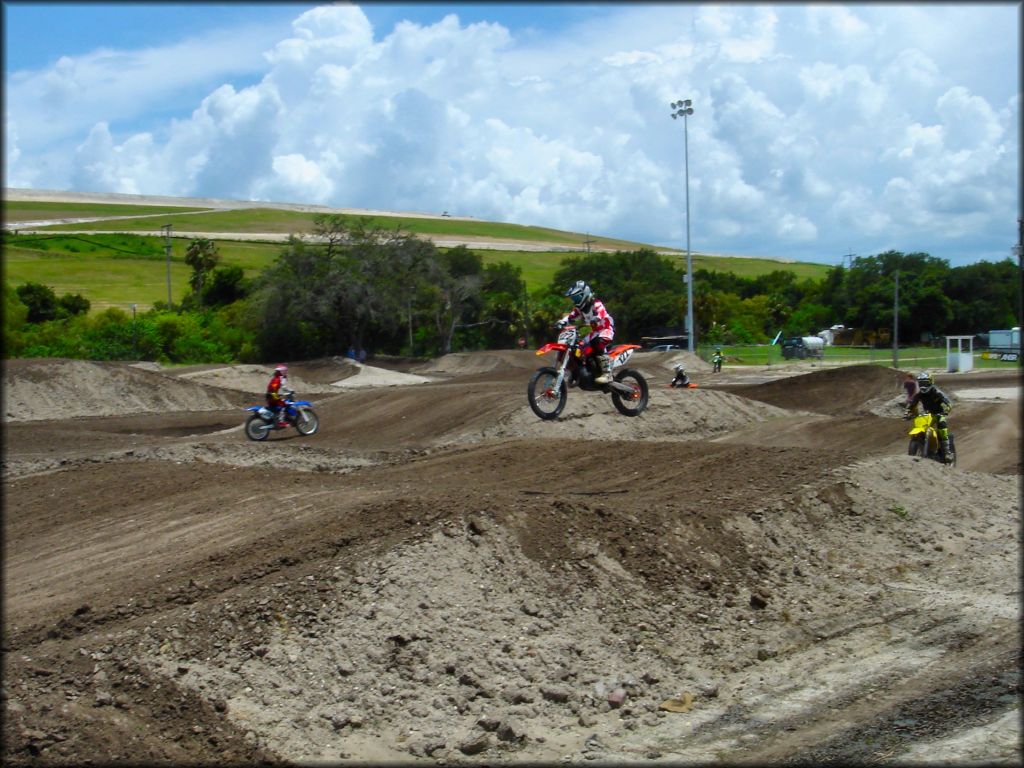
column 389, row 292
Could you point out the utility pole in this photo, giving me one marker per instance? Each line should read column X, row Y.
column 848, row 261
column 166, row 229
column 526, row 315
column 135, row 353
column 896, row 322
column 409, row 305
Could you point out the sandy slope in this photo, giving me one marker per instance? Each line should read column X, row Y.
column 752, row 571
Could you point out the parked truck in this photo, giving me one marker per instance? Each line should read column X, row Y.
column 801, row 347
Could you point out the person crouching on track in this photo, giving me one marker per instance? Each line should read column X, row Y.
column 276, row 388
column 935, row 402
column 591, row 311
column 681, row 379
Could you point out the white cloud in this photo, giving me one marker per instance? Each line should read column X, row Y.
column 836, row 21
column 301, row 179
column 816, row 129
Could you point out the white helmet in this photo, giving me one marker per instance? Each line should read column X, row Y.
column 580, row 294
column 680, row 370
column 281, row 368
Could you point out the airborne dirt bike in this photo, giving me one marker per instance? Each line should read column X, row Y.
column 548, row 389
column 924, row 440
column 296, row 413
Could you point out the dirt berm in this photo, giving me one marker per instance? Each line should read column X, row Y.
column 753, row 571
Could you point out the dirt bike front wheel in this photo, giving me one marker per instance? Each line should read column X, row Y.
column 916, row 447
column 306, row 421
column 545, row 400
column 633, row 404
column 256, row 428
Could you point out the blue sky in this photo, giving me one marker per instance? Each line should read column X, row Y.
column 818, row 130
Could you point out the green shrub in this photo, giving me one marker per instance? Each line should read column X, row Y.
column 40, row 300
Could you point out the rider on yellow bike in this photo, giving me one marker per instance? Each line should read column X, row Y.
column 935, row 402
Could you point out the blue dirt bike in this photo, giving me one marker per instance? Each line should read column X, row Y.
column 296, row 413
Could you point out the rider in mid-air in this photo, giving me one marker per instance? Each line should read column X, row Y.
column 591, row 312
column 935, row 402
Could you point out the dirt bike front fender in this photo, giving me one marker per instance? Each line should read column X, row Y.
column 921, row 425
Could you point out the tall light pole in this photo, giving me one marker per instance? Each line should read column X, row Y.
column 684, row 109
column 1018, row 251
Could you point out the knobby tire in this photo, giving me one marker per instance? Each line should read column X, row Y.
column 636, row 405
column 544, row 401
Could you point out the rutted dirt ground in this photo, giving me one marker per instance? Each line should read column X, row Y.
column 752, row 571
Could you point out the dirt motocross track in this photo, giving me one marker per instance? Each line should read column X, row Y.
column 752, row 571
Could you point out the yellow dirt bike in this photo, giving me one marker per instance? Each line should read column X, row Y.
column 925, row 442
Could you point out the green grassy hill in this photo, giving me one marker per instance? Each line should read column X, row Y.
column 110, row 266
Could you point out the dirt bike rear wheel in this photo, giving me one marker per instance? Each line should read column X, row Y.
column 544, row 400
column 256, row 428
column 306, row 421
column 635, row 404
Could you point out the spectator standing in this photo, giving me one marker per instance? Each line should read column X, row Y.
column 910, row 387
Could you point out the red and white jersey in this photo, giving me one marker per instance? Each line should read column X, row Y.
column 597, row 317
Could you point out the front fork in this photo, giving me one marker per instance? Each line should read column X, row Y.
column 563, row 363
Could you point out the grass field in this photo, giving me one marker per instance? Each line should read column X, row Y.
column 114, row 270
column 25, row 210
column 277, row 221
column 112, row 267
column 908, row 358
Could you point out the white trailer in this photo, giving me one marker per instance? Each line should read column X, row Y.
column 1004, row 344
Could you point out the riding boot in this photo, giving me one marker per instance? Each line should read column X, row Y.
column 947, row 450
column 605, row 363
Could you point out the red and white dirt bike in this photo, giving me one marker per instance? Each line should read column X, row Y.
column 575, row 366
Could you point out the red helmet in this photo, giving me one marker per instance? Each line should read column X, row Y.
column 281, row 368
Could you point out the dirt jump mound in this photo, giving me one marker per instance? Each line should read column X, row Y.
column 832, row 391
column 60, row 389
column 468, row 363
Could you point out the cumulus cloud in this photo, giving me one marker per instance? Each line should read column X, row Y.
column 816, row 129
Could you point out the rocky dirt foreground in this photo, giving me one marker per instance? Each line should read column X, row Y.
column 751, row 572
